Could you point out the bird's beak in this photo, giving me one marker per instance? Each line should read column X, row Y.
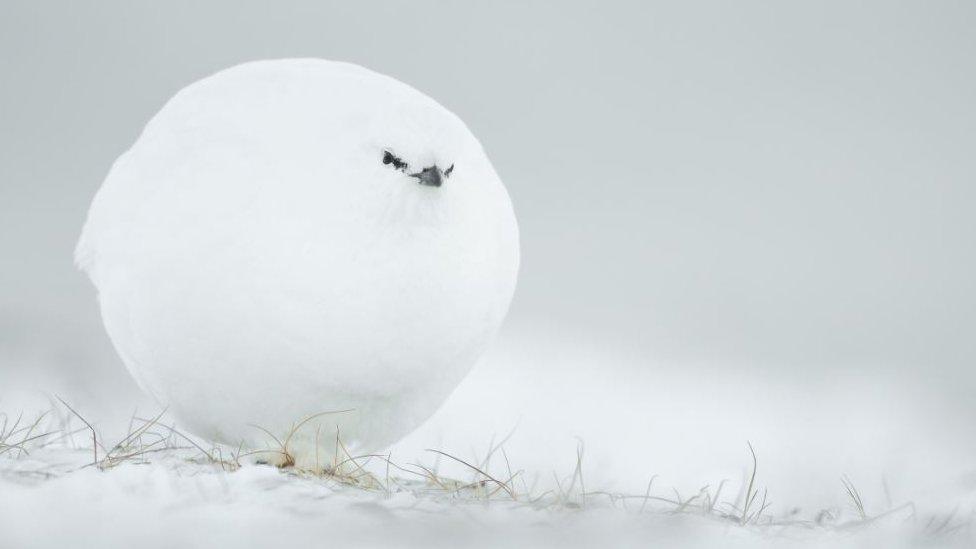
column 429, row 176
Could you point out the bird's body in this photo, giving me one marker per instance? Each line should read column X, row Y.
column 260, row 258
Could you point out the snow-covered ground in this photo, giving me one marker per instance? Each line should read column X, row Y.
column 46, row 501
column 548, row 404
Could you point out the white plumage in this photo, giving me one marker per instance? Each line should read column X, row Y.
column 275, row 245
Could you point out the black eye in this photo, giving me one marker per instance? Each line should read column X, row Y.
column 447, row 172
column 390, row 158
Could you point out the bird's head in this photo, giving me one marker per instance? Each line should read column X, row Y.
column 420, row 148
column 430, row 176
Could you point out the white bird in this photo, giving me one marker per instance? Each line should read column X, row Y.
column 299, row 236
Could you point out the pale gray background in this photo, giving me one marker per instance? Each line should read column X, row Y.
column 777, row 187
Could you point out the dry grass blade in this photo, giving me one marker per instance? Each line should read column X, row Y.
column 21, row 446
column 504, row 486
column 647, row 493
column 430, row 475
column 140, row 431
column 209, row 455
column 578, row 472
column 306, row 420
column 751, row 492
column 492, row 447
column 95, row 443
column 6, row 436
column 855, row 497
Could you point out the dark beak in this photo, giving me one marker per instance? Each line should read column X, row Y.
column 429, row 176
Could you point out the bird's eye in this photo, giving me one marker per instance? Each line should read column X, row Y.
column 447, row 172
column 390, row 158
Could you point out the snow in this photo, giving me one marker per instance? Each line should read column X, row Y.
column 915, row 481
column 257, row 262
column 173, row 503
